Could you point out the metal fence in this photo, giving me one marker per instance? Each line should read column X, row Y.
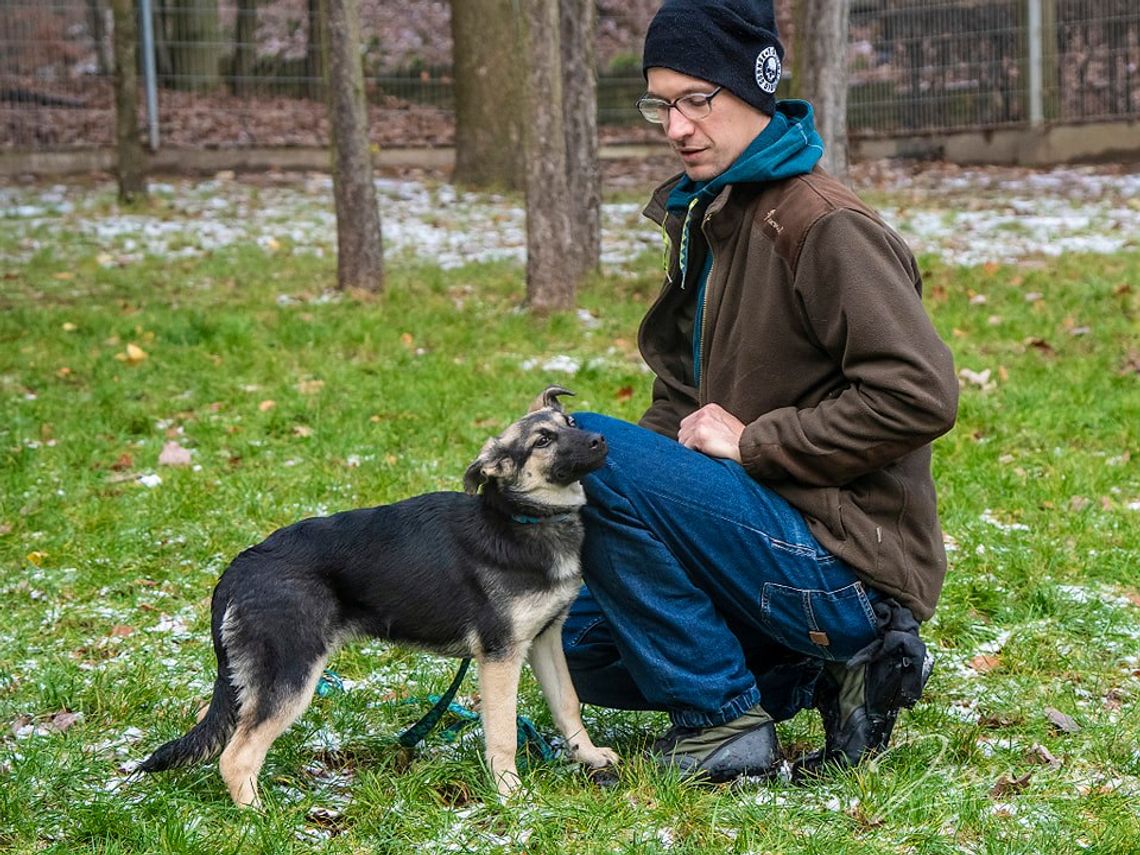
column 246, row 72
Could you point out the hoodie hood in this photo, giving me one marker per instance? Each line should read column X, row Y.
column 788, row 146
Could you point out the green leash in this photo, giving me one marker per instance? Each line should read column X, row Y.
column 415, row 734
column 528, row 734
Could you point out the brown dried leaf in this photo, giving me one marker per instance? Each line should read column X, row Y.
column 1041, row 346
column 1043, row 756
column 63, row 720
column 310, row 387
column 1062, row 722
column 625, row 393
column 984, row 663
column 1007, row 785
column 302, row 431
column 266, row 406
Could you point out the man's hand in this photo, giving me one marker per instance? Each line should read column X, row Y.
column 712, row 430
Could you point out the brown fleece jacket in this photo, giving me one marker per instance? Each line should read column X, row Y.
column 814, row 336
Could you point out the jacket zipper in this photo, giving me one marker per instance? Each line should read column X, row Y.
column 701, row 385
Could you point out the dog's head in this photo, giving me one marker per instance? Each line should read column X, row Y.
column 540, row 458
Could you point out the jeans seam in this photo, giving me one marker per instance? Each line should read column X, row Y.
column 798, row 549
column 586, row 629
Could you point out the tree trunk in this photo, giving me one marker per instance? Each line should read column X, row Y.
column 195, row 45
column 550, row 282
column 130, row 163
column 820, row 74
column 103, row 61
column 488, row 94
column 315, row 51
column 580, row 108
column 360, row 260
column 245, row 47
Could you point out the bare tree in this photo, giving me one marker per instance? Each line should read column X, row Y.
column 245, row 47
column 130, row 161
column 580, row 108
column 557, row 251
column 98, row 16
column 487, row 37
column 360, row 260
column 195, row 44
column 820, row 73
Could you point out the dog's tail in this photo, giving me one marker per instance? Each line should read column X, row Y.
column 209, row 736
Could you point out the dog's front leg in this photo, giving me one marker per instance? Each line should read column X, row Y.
column 548, row 661
column 499, row 687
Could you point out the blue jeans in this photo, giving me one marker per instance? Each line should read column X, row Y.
column 705, row 591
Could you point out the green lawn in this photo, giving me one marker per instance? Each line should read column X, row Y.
column 294, row 404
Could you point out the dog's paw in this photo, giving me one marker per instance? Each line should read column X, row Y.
column 596, row 758
column 508, row 783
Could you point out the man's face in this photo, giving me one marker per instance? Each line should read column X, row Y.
column 708, row 146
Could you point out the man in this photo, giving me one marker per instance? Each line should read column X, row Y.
column 767, row 537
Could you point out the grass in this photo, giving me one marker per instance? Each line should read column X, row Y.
column 295, row 404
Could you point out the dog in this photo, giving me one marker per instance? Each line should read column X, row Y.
column 489, row 573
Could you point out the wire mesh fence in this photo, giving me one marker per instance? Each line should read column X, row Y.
column 247, row 72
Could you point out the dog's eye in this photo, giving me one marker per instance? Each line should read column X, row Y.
column 544, row 441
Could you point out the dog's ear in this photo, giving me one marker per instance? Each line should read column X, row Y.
column 549, row 398
column 493, row 462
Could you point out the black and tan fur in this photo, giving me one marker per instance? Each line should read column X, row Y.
column 489, row 573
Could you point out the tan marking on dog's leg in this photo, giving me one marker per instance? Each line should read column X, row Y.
column 548, row 661
column 243, row 757
column 499, row 689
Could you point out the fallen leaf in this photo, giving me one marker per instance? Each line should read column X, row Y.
column 984, row 663
column 310, row 387
column 302, row 430
column 407, row 339
column 1040, row 345
column 64, row 720
column 174, row 454
column 266, row 406
column 63, row 276
column 1007, row 785
column 1043, row 756
column 63, row 372
column 5, row 528
column 36, row 558
column 121, row 631
column 1132, row 596
column 624, row 393
column 124, row 463
column 1062, row 722
column 69, row 327
column 133, row 355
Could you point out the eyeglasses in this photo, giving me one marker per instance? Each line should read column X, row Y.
column 693, row 107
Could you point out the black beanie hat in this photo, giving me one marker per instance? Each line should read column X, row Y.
column 731, row 43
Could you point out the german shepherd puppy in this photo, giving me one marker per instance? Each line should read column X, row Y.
column 489, row 573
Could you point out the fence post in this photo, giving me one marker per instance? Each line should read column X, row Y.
column 1036, row 94
column 150, row 83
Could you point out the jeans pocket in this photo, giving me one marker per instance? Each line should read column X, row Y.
column 827, row 624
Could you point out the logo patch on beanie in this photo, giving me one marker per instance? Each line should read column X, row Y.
column 768, row 69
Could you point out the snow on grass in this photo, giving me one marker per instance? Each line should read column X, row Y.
column 966, row 217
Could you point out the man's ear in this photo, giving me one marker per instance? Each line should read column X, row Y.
column 549, row 398
column 492, row 462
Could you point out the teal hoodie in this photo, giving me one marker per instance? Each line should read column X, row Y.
column 788, row 146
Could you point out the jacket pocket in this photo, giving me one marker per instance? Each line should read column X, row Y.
column 824, row 624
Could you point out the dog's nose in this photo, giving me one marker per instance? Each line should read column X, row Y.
column 598, row 443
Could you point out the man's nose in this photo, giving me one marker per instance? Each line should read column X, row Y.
column 677, row 127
